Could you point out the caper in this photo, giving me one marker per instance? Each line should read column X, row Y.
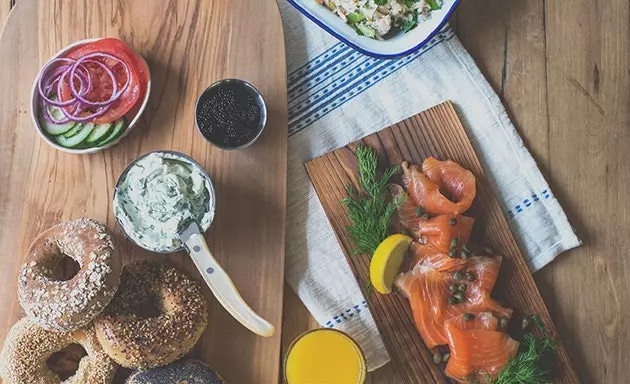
column 454, row 242
column 463, row 255
column 468, row 316
column 470, row 276
column 452, row 300
column 420, row 211
column 462, row 287
column 457, row 276
column 452, row 221
column 459, row 296
column 446, row 357
column 425, row 216
column 452, row 253
column 489, row 251
column 503, row 323
column 437, row 357
column 453, row 288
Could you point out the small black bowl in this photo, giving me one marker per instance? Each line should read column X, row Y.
column 231, row 114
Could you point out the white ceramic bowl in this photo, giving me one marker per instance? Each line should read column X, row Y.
column 400, row 44
column 133, row 116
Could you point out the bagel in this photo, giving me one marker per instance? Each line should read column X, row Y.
column 183, row 371
column 28, row 347
column 68, row 305
column 136, row 339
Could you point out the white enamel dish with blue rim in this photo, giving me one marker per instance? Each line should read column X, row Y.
column 400, row 44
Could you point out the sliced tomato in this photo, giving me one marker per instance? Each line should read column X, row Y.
column 102, row 84
column 140, row 65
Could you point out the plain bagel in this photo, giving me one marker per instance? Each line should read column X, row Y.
column 68, row 305
column 137, row 339
column 28, row 347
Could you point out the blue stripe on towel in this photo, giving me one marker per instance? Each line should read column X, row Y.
column 528, row 202
column 346, row 315
column 316, row 62
column 340, row 76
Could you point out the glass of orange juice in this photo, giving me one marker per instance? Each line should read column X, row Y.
column 324, row 356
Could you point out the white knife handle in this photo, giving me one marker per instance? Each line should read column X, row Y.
column 223, row 288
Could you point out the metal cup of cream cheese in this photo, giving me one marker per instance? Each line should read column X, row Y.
column 156, row 193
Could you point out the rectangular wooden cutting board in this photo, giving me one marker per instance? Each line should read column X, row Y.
column 436, row 132
column 188, row 44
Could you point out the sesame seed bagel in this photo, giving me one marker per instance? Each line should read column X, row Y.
column 136, row 339
column 68, row 305
column 180, row 372
column 28, row 347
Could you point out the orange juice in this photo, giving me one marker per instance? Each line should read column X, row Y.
column 324, row 356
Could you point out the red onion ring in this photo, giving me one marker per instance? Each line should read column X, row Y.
column 75, row 71
column 112, row 57
column 50, row 118
column 86, row 102
column 74, row 116
column 42, row 77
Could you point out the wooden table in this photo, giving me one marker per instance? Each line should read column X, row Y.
column 562, row 70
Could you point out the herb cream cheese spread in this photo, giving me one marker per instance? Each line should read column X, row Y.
column 159, row 193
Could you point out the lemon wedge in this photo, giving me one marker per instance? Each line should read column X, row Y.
column 386, row 262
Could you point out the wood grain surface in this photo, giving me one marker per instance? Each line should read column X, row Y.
column 552, row 63
column 436, row 132
column 188, row 45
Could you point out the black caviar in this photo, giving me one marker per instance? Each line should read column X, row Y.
column 229, row 115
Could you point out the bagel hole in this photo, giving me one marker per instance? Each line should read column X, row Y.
column 65, row 362
column 149, row 308
column 65, row 268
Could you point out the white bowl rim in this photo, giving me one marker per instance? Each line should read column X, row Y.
column 35, row 96
column 364, row 48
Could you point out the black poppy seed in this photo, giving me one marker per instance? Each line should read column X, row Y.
column 229, row 117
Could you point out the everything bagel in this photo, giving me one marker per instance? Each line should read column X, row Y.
column 137, row 339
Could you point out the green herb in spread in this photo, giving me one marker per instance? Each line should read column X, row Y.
column 371, row 209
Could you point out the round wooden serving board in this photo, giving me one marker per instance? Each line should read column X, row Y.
column 188, row 45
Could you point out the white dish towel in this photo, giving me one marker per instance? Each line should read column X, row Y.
column 337, row 96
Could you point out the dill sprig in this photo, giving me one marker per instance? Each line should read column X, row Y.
column 370, row 210
column 534, row 361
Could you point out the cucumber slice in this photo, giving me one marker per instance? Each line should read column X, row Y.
column 100, row 131
column 77, row 139
column 56, row 129
column 74, row 130
column 119, row 127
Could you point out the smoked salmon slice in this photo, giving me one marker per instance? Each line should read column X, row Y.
column 409, row 214
column 430, row 293
column 478, row 350
column 486, row 271
column 434, row 258
column 431, row 186
column 481, row 320
column 439, row 232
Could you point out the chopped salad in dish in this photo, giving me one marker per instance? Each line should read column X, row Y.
column 86, row 94
column 376, row 18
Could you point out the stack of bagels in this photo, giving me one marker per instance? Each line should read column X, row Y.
column 141, row 316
